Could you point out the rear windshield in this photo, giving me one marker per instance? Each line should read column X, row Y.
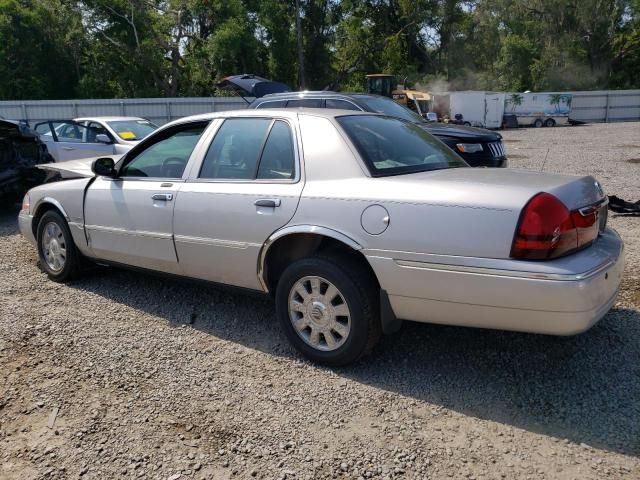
column 387, row 106
column 390, row 146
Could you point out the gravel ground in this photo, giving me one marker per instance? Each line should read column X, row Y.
column 122, row 375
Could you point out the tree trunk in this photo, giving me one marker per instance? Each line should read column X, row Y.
column 301, row 82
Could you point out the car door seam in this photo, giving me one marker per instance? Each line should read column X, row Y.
column 84, row 212
column 173, row 216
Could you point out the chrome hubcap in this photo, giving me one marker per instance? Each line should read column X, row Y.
column 319, row 313
column 54, row 247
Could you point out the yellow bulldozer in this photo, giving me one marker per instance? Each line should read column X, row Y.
column 385, row 85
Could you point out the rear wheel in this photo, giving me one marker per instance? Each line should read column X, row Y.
column 549, row 122
column 538, row 123
column 329, row 309
column 59, row 257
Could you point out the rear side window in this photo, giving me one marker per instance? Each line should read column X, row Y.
column 306, row 102
column 340, row 104
column 390, row 146
column 250, row 148
column 278, row 159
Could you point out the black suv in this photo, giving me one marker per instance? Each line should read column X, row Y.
column 479, row 147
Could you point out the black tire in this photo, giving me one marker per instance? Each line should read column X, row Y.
column 467, row 124
column 549, row 122
column 538, row 123
column 74, row 260
column 361, row 294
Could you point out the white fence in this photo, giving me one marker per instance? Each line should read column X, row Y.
column 596, row 106
column 158, row 110
column 606, row 106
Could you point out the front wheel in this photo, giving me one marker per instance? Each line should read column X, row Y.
column 549, row 122
column 329, row 309
column 538, row 123
column 59, row 257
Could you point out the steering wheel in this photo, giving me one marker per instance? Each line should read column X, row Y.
column 173, row 167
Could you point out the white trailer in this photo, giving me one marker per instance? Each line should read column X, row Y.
column 539, row 109
column 478, row 109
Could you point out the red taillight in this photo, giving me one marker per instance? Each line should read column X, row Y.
column 586, row 222
column 547, row 229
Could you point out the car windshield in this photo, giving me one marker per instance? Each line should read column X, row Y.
column 390, row 146
column 132, row 129
column 387, row 106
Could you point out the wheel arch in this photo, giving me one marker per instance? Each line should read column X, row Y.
column 295, row 242
column 44, row 205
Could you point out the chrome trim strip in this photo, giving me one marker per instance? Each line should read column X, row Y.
column 134, row 233
column 589, row 209
column 215, row 242
column 568, row 277
column 496, row 149
column 308, row 97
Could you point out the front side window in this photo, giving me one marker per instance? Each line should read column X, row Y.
column 250, row 148
column 94, row 130
column 390, row 146
column 168, row 157
column 71, row 132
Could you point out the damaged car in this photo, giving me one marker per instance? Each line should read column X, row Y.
column 20, row 151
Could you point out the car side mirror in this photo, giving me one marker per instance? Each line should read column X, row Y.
column 103, row 138
column 104, row 167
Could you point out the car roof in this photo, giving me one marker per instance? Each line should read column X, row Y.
column 289, row 113
column 317, row 93
column 108, row 119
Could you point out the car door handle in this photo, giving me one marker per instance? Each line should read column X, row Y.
column 267, row 202
column 163, row 197
column 68, row 148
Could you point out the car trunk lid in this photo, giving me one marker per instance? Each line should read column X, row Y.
column 469, row 211
column 506, row 187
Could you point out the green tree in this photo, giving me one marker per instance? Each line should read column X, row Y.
column 39, row 49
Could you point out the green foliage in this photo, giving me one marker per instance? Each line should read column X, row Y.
column 144, row 48
column 40, row 44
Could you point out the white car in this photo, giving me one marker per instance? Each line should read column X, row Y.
column 122, row 131
column 92, row 137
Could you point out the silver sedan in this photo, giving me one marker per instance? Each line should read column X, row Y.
column 352, row 221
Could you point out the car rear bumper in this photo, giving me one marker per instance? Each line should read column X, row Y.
column 551, row 303
column 25, row 222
